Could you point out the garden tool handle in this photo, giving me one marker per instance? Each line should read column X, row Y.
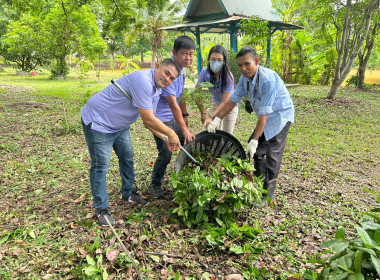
column 121, row 90
column 190, row 156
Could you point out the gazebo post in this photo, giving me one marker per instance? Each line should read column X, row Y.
column 199, row 52
column 268, row 49
column 233, row 37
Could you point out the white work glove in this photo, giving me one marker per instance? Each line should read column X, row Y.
column 251, row 148
column 214, row 125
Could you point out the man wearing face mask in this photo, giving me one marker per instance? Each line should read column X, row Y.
column 218, row 73
column 274, row 107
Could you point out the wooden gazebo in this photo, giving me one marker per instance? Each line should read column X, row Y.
column 224, row 16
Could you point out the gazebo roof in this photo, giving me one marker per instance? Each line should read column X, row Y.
column 224, row 16
column 221, row 25
column 198, row 10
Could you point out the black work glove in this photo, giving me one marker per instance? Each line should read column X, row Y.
column 248, row 107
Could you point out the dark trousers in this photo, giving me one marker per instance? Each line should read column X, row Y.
column 272, row 150
column 164, row 155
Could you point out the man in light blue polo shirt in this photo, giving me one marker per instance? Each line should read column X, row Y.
column 172, row 112
column 106, row 120
column 274, row 107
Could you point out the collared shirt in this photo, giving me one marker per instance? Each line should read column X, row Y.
column 163, row 112
column 217, row 92
column 269, row 97
column 110, row 111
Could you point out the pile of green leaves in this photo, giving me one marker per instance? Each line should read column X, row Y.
column 233, row 238
column 358, row 258
column 217, row 192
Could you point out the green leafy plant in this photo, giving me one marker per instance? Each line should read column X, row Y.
column 65, row 127
column 195, row 92
column 233, row 238
column 123, row 260
column 21, row 233
column 352, row 81
column 127, row 64
column 217, row 192
column 84, row 67
column 358, row 258
column 94, row 269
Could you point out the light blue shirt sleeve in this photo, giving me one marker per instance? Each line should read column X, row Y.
column 240, row 91
column 268, row 95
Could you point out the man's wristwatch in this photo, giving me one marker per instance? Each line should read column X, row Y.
column 212, row 116
column 165, row 138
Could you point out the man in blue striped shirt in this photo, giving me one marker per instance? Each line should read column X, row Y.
column 274, row 107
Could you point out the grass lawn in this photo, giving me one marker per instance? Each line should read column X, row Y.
column 47, row 224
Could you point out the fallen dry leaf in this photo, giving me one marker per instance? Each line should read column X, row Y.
column 112, row 255
column 81, row 198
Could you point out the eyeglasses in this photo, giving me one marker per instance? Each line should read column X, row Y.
column 186, row 54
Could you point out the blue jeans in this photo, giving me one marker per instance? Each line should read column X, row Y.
column 100, row 146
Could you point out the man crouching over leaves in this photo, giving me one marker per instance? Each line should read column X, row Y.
column 274, row 107
column 106, row 120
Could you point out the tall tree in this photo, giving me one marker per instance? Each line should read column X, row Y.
column 366, row 51
column 23, row 43
column 350, row 36
column 71, row 29
column 289, row 12
column 152, row 18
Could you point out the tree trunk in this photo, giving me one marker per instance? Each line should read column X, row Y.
column 361, row 76
column 113, row 61
column 142, row 56
column 153, row 58
column 333, row 93
column 365, row 54
column 350, row 38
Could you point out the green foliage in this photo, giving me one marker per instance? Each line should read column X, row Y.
column 195, row 93
column 65, row 126
column 257, row 30
column 22, row 234
column 23, row 43
column 95, row 269
column 358, row 258
column 96, row 245
column 215, row 195
column 352, row 81
column 73, row 30
column 123, row 260
column 84, row 67
column 230, row 237
column 234, row 66
column 127, row 64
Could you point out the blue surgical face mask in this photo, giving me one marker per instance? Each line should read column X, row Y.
column 216, row 66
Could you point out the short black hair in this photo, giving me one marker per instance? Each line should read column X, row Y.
column 171, row 62
column 252, row 52
column 184, row 42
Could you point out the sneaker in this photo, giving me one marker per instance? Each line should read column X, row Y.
column 156, row 191
column 135, row 198
column 102, row 214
